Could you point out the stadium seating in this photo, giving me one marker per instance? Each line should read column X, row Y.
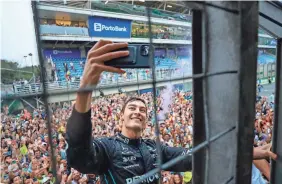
column 165, row 63
column 161, row 63
column 120, row 7
column 60, row 67
column 265, row 58
column 260, row 31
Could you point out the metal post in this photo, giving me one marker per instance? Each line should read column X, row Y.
column 198, row 124
column 27, row 103
column 25, row 60
column 11, row 104
column 170, row 73
column 223, row 21
column 37, row 104
column 138, row 82
column 247, row 89
column 276, row 167
column 30, row 54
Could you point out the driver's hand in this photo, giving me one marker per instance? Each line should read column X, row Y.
column 101, row 52
column 264, row 152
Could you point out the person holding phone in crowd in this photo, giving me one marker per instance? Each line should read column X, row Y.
column 126, row 156
column 123, row 158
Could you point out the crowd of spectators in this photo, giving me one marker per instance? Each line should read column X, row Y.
column 25, row 146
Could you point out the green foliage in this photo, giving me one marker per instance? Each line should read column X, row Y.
column 11, row 71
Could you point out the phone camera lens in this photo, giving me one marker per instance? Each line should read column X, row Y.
column 145, row 50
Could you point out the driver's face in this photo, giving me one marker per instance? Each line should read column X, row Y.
column 135, row 116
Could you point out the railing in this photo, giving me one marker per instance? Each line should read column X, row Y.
column 46, row 30
column 134, row 78
column 118, row 7
column 266, row 70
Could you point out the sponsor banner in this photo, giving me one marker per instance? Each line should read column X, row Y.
column 109, row 27
column 178, row 86
column 265, row 57
column 142, row 91
column 170, row 52
column 184, row 51
column 159, row 52
column 273, row 42
column 61, row 53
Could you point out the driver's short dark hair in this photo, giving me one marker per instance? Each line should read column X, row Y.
column 131, row 99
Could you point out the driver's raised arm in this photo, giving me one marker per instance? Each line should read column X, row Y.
column 83, row 153
column 169, row 153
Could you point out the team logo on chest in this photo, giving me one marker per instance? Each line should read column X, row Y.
column 127, row 159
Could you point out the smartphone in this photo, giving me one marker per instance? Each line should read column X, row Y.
column 138, row 57
column 62, row 167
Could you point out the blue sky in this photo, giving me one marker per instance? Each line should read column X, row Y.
column 17, row 31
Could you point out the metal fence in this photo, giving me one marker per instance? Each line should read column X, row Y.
column 265, row 71
column 224, row 89
column 134, row 78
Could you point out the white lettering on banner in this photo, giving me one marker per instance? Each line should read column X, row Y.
column 146, row 180
column 62, row 52
column 97, row 27
column 100, row 27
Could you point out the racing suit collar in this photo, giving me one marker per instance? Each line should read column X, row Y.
column 126, row 140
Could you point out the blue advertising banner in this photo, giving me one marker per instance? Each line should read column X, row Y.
column 142, row 91
column 61, row 53
column 178, row 86
column 159, row 52
column 170, row 52
column 273, row 42
column 184, row 51
column 109, row 27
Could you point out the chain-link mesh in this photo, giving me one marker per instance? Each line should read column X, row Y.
column 162, row 166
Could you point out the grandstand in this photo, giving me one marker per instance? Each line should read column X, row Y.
column 266, row 58
column 69, row 29
column 163, row 61
column 76, row 72
column 225, row 102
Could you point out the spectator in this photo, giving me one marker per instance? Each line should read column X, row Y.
column 71, row 65
column 25, row 146
column 82, row 64
column 269, row 80
column 66, row 67
column 32, row 149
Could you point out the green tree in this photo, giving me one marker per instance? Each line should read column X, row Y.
column 11, row 71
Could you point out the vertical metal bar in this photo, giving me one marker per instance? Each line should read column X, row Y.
column 198, row 107
column 247, row 89
column 138, row 84
column 205, row 96
column 276, row 166
column 221, row 52
column 151, row 59
column 44, row 94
